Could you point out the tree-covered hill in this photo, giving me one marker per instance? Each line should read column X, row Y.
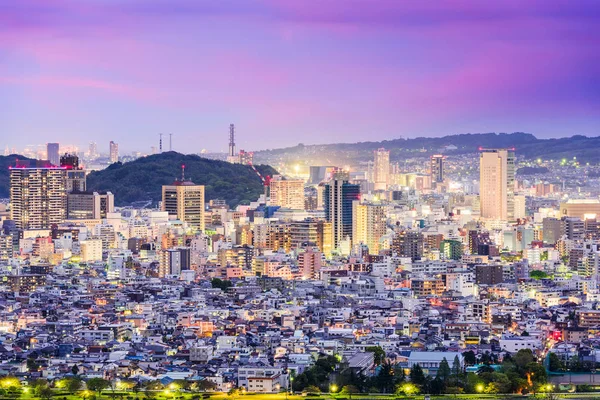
column 143, row 178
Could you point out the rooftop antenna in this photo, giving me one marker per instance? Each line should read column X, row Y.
column 182, row 172
column 160, row 142
column 170, row 142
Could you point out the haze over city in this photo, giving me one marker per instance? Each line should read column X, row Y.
column 294, row 71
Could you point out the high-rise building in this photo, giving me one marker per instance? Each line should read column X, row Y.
column 368, row 225
column 76, row 178
column 451, row 249
column 93, row 150
column 381, row 173
column 309, row 262
column 312, row 232
column 185, row 200
column 286, row 193
column 338, row 197
column 114, row 152
column 408, row 243
column 38, row 196
column 437, row 168
column 89, row 205
column 52, row 153
column 496, row 184
column 173, row 261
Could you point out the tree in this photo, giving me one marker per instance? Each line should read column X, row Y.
column 32, row 365
column 416, row 375
column 378, row 354
column 45, row 393
column 555, row 363
column 443, row 372
column 312, row 389
column 384, row 381
column 97, row 384
column 469, row 357
column 537, row 275
column 75, row 369
column 73, row 385
column 349, row 390
column 233, row 393
column 457, row 372
column 205, row 385
column 522, row 358
column 221, row 284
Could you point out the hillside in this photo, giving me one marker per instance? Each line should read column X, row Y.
column 5, row 162
column 527, row 145
column 143, row 178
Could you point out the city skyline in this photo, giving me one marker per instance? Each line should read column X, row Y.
column 285, row 73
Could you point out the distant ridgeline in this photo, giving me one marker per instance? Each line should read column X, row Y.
column 586, row 149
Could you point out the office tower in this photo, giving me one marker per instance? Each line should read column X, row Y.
column 381, row 173
column 93, row 150
column 338, row 197
column 185, row 200
column 38, row 196
column 287, row 193
column 368, row 225
column 52, row 151
column 437, row 168
column 408, row 243
column 89, row 205
column 496, row 184
column 114, row 152
column 76, row 178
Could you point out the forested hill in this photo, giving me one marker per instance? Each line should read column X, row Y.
column 143, row 178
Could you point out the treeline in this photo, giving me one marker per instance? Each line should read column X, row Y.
column 520, row 373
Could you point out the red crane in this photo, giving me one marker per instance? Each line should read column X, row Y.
column 266, row 180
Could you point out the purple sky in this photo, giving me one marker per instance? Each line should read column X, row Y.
column 289, row 71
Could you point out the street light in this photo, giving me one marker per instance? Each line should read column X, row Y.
column 333, row 388
column 479, row 388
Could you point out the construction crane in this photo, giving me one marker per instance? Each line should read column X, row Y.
column 266, row 180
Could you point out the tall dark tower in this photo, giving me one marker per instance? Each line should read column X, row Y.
column 231, row 140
